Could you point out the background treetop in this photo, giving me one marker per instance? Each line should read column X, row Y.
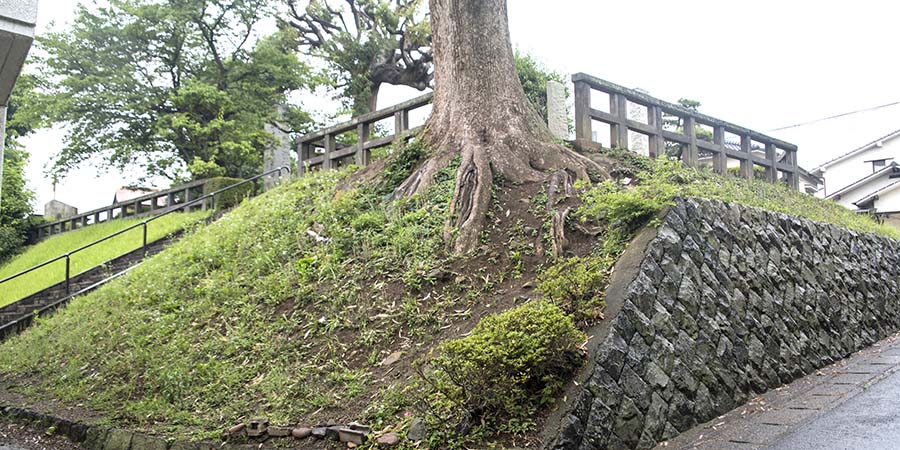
column 364, row 44
column 182, row 88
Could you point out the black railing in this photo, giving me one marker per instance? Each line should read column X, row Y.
column 211, row 198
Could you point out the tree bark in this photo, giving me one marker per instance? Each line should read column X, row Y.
column 481, row 113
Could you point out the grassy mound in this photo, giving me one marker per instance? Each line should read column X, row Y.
column 312, row 303
column 60, row 244
column 280, row 308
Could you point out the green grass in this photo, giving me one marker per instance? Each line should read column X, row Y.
column 277, row 309
column 54, row 246
column 659, row 181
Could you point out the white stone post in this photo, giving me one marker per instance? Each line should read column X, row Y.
column 556, row 110
column 278, row 153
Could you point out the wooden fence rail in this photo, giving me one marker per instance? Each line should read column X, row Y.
column 654, row 129
column 320, row 149
column 136, row 207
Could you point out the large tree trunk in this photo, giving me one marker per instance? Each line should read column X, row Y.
column 481, row 113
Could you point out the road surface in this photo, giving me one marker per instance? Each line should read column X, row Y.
column 870, row 420
column 852, row 404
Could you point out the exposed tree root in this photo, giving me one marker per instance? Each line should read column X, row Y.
column 517, row 160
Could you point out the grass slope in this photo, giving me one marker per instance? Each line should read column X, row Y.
column 60, row 244
column 287, row 306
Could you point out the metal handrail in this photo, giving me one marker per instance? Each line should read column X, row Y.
column 183, row 206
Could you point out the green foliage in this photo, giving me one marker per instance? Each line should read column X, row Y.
column 577, row 285
column 620, row 207
column 231, row 197
column 15, row 206
column 759, row 172
column 511, row 364
column 663, row 180
column 60, row 244
column 534, row 76
column 399, row 166
column 258, row 313
column 181, row 88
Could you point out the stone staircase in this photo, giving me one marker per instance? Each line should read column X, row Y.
column 19, row 315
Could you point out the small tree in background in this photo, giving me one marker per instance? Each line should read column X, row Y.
column 182, row 88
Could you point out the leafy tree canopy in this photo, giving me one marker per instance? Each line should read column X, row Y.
column 182, row 88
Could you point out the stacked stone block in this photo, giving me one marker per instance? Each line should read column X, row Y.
column 729, row 302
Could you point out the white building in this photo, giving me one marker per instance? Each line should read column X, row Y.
column 866, row 179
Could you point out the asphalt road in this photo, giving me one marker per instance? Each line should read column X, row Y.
column 870, row 420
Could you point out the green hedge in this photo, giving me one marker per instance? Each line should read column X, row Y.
column 231, row 197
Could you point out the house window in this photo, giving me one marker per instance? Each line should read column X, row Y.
column 878, row 164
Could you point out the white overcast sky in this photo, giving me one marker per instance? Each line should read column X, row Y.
column 760, row 64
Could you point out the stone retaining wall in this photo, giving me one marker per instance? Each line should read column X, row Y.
column 728, row 302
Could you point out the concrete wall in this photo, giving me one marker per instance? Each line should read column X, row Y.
column 724, row 302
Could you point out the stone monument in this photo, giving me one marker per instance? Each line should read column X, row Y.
column 557, row 119
column 278, row 153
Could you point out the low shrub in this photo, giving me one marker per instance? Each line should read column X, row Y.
column 511, row 364
column 577, row 285
column 231, row 197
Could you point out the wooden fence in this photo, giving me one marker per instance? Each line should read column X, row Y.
column 136, row 207
column 620, row 124
column 321, row 150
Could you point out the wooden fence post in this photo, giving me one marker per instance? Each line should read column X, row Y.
column 720, row 159
column 401, row 124
column 188, row 197
column 657, row 141
column 330, row 145
column 690, row 155
column 583, row 124
column 363, row 155
column 747, row 162
column 793, row 177
column 772, row 157
column 302, row 155
column 618, row 132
